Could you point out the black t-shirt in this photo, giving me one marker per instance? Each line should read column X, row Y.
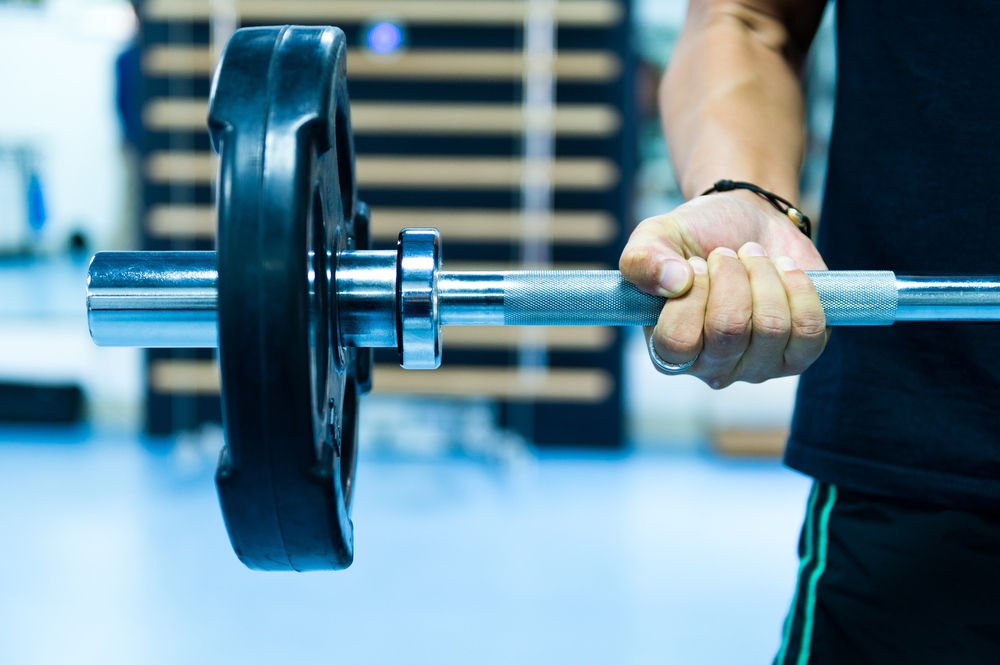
column 913, row 186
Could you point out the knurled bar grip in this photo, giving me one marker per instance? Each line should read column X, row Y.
column 857, row 297
column 604, row 298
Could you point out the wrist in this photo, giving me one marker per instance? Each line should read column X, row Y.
column 785, row 186
column 759, row 204
column 750, row 197
column 782, row 205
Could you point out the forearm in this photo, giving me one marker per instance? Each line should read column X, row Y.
column 731, row 99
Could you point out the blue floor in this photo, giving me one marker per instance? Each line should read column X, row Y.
column 116, row 553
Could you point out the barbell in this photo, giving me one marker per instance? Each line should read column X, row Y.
column 294, row 298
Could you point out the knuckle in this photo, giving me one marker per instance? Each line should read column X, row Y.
column 728, row 327
column 638, row 264
column 809, row 326
column 771, row 323
column 642, row 257
column 632, row 259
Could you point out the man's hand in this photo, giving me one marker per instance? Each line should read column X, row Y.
column 732, row 268
column 732, row 107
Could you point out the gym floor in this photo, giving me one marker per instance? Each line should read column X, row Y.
column 114, row 551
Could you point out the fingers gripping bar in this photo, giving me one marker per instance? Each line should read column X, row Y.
column 849, row 298
column 603, row 297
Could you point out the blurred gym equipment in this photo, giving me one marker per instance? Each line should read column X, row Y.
column 507, row 125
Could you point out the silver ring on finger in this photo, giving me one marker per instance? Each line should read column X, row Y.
column 669, row 368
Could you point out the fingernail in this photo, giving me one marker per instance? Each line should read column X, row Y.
column 726, row 251
column 673, row 275
column 699, row 265
column 786, row 263
column 753, row 249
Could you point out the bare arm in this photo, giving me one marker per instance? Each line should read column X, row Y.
column 740, row 305
column 732, row 97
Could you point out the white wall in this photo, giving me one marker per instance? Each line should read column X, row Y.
column 57, row 96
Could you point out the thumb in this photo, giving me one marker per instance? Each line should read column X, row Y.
column 654, row 262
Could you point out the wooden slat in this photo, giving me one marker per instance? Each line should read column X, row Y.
column 177, row 166
column 185, row 377
column 592, row 66
column 595, row 120
column 504, row 383
column 556, row 338
column 446, row 119
column 178, row 60
column 181, row 221
column 418, row 64
column 201, row 377
column 176, row 114
column 404, row 172
column 483, row 173
column 578, row 13
column 470, row 225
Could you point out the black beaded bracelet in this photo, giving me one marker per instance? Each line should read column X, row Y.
column 801, row 221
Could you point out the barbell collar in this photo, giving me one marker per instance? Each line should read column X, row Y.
column 418, row 321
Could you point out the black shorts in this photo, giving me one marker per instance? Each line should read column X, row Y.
column 883, row 580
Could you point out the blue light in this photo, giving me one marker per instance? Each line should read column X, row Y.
column 384, row 38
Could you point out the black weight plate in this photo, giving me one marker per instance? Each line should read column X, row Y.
column 280, row 120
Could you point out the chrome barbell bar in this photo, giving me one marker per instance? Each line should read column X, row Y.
column 402, row 298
